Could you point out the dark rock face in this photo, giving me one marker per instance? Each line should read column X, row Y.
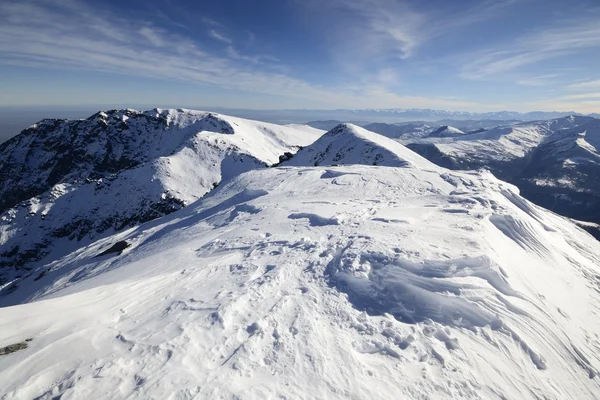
column 115, row 248
column 53, row 151
column 12, row 348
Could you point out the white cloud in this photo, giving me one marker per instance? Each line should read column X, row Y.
column 219, row 36
column 581, row 96
column 541, row 45
column 154, row 37
column 542, row 80
column 585, row 85
column 392, row 29
column 65, row 34
column 259, row 59
column 211, row 21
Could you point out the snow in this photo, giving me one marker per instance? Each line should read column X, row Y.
column 351, row 144
column 446, row 131
column 308, row 129
column 175, row 164
column 354, row 281
column 501, row 142
column 315, row 280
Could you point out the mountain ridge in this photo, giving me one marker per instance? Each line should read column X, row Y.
column 69, row 182
column 325, row 277
column 550, row 161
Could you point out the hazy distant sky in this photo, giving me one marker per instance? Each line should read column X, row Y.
column 459, row 55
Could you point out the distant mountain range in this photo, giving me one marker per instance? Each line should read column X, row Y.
column 555, row 163
column 435, row 115
column 12, row 121
column 366, row 115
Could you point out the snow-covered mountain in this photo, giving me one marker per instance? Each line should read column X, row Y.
column 349, row 144
column 563, row 173
column 434, row 115
column 446, row 131
column 555, row 163
column 65, row 183
column 354, row 281
column 408, row 130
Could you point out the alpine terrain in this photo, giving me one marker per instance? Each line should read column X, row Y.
column 353, row 269
column 65, row 183
column 555, row 163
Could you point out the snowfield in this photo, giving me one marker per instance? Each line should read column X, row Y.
column 329, row 282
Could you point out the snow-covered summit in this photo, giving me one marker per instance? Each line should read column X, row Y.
column 350, row 144
column 355, row 281
column 446, row 131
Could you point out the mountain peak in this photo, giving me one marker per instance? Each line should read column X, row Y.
column 350, row 144
column 121, row 168
column 446, row 131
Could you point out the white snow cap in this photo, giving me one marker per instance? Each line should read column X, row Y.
column 350, row 144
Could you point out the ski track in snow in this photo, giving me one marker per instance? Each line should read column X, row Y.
column 339, row 282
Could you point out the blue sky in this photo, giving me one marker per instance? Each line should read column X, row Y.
column 470, row 55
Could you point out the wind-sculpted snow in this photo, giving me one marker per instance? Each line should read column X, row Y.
column 422, row 283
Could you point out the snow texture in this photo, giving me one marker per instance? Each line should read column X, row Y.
column 87, row 179
column 397, row 280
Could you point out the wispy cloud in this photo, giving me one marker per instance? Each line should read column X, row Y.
column 531, row 48
column 219, row 36
column 211, row 21
column 541, row 80
column 65, row 34
column 395, row 29
column 582, row 96
column 587, row 85
column 258, row 59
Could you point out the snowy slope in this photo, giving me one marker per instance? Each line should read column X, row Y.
column 314, row 132
column 355, row 281
column 564, row 171
column 351, row 144
column 555, row 163
column 397, row 131
column 446, row 131
column 65, row 183
column 408, row 132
